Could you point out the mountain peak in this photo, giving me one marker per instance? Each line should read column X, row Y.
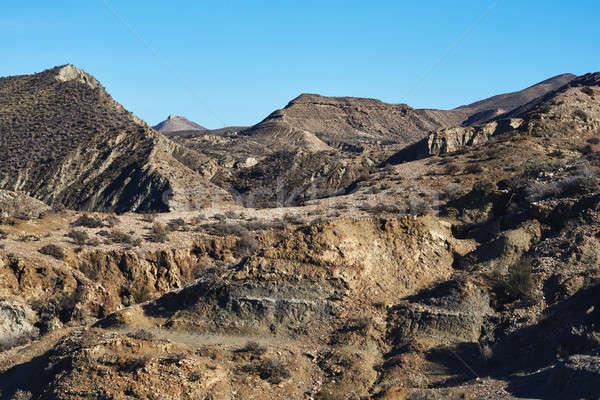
column 176, row 123
column 69, row 72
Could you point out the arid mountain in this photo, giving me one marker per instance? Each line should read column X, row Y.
column 315, row 122
column 176, row 124
column 570, row 109
column 488, row 109
column 469, row 272
column 319, row 123
column 66, row 141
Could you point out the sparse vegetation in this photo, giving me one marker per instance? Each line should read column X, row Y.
column 142, row 334
column 271, row 370
column 451, row 169
column 79, row 237
column 53, row 250
column 177, row 224
column 474, row 169
column 141, row 294
column 587, row 90
column 158, row 234
column 88, row 221
column 120, row 237
column 136, row 363
column 254, row 348
column 149, row 217
column 112, row 221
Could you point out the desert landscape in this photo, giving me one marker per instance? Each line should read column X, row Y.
column 342, row 248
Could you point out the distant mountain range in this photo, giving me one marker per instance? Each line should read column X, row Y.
column 66, row 141
column 315, row 122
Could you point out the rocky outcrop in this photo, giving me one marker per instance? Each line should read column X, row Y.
column 20, row 205
column 572, row 108
column 312, row 122
column 317, row 122
column 449, row 140
column 287, row 178
column 321, row 271
column 449, row 313
column 506, row 249
column 576, row 377
column 17, row 323
column 489, row 109
column 90, row 284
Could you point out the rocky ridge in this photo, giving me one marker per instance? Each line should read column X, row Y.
column 67, row 142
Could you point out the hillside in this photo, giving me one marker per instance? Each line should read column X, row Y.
column 316, row 123
column 67, row 142
column 572, row 108
column 488, row 109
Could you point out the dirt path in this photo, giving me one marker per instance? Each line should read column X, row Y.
column 213, row 339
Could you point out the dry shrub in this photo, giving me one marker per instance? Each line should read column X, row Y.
column 88, row 221
column 79, row 237
column 142, row 334
column 253, row 347
column 149, row 217
column 473, row 169
column 158, row 234
column 135, row 363
column 271, row 370
column 120, row 237
column 177, row 224
column 53, row 251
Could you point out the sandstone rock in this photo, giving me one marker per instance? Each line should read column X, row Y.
column 449, row 140
column 17, row 322
column 20, row 205
column 449, row 313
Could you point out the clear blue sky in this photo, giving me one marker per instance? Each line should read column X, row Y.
column 233, row 62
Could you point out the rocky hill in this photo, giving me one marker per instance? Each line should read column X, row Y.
column 318, row 123
column 315, row 122
column 488, row 109
column 571, row 108
column 67, row 142
column 468, row 272
column 178, row 124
